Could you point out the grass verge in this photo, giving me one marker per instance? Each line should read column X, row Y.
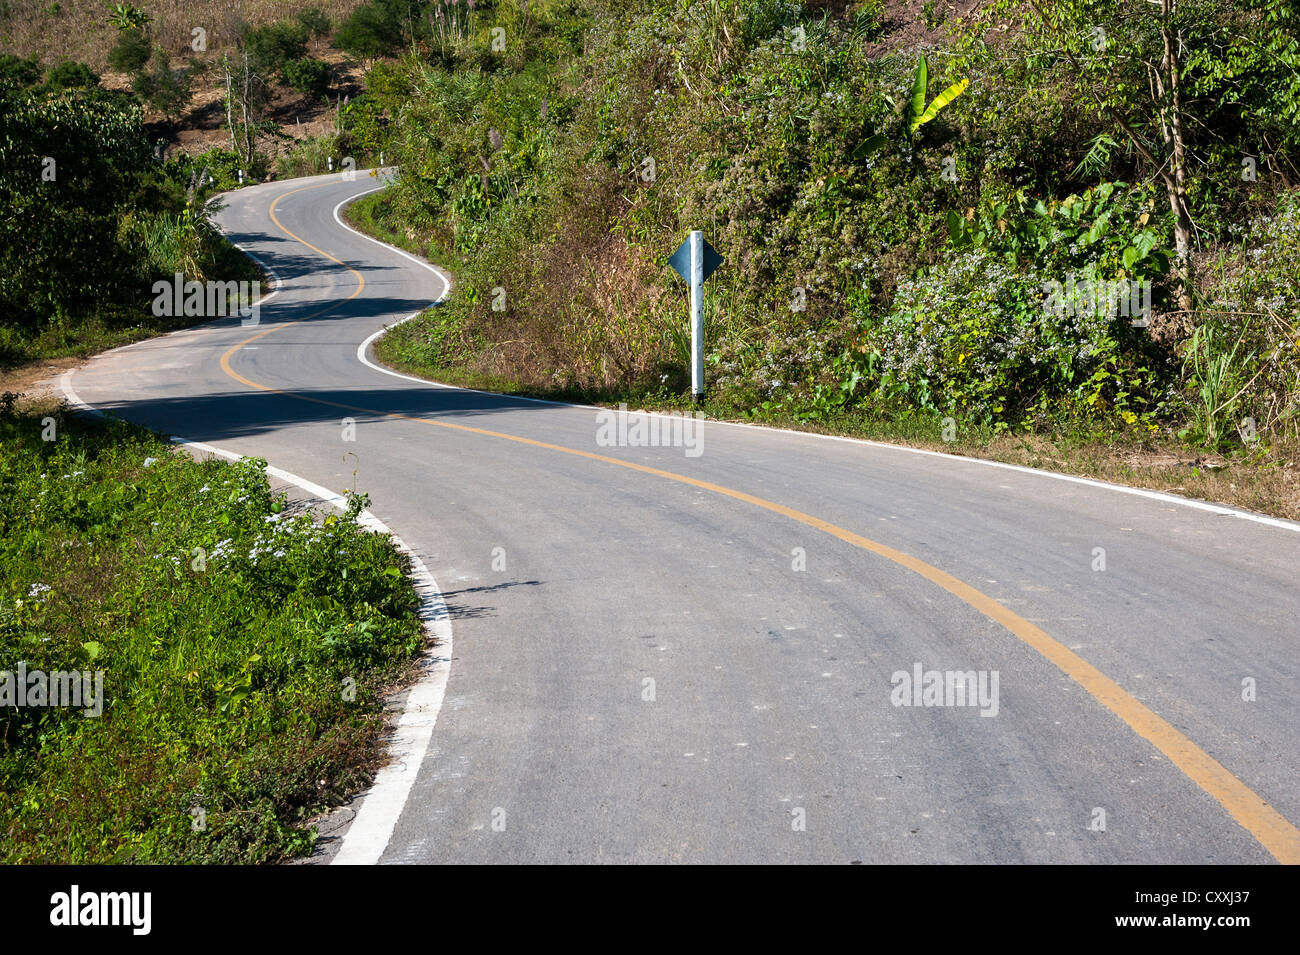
column 245, row 649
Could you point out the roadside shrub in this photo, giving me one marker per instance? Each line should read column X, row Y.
column 243, row 650
column 976, row 338
column 1249, row 335
column 311, row 157
column 222, row 167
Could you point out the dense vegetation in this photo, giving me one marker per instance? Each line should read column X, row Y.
column 91, row 218
column 244, row 650
column 894, row 205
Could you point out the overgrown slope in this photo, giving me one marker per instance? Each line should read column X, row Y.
column 938, row 222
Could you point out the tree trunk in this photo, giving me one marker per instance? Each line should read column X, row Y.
column 248, row 132
column 1176, row 179
column 230, row 104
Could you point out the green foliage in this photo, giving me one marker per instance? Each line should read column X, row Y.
column 163, row 88
column 270, row 47
column 868, row 19
column 372, row 30
column 1112, row 226
column 311, row 157
column 78, row 182
column 314, row 21
column 131, row 51
column 1253, row 298
column 931, row 15
column 308, row 75
column 976, row 338
column 17, row 71
column 228, row 632
column 916, row 219
column 126, row 17
column 69, row 161
column 218, row 167
column 1215, row 373
column 69, row 75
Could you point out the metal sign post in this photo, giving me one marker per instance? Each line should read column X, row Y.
column 695, row 261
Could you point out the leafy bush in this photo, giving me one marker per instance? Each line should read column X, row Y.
column 18, row 71
column 163, row 88
column 311, row 157
column 220, row 167
column 131, row 51
column 976, row 338
column 308, row 75
column 1249, row 336
column 372, row 30
column 270, row 47
column 70, row 76
column 314, row 21
column 82, row 161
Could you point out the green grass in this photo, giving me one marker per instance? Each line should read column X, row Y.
column 230, row 633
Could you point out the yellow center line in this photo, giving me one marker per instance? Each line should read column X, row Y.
column 1273, row 831
column 361, row 284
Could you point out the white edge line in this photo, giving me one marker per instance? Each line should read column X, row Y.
column 276, row 284
column 372, row 828
column 364, row 347
column 1219, row 509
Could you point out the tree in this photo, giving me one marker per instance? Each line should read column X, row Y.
column 1154, row 70
column 370, row 32
column 271, row 46
column 163, row 88
column 247, row 92
column 314, row 21
column 58, row 237
column 131, row 51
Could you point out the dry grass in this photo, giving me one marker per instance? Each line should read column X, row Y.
column 79, row 29
column 1266, row 481
column 1269, row 483
column 36, row 379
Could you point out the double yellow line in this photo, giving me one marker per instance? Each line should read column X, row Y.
column 1273, row 831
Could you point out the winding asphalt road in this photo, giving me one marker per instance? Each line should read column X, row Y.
column 667, row 657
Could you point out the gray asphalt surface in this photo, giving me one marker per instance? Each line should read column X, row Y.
column 771, row 685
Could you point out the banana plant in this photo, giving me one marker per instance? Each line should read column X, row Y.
column 917, row 112
column 126, row 16
column 920, row 113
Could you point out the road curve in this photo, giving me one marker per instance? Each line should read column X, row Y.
column 664, row 656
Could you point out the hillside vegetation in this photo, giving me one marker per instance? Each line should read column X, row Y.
column 918, row 208
column 92, row 218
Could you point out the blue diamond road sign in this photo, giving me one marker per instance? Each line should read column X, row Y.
column 681, row 260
